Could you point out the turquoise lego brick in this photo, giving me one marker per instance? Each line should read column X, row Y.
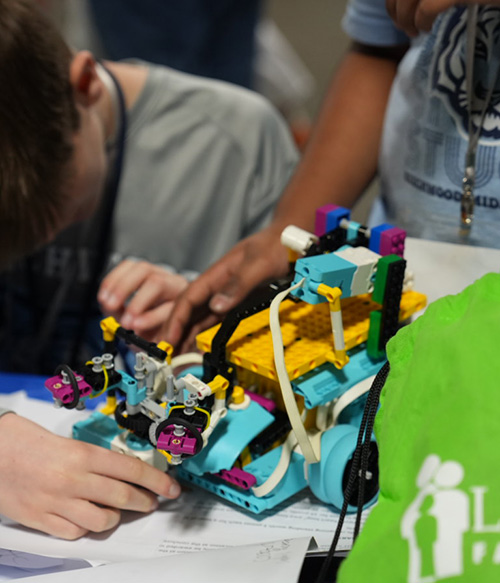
column 326, row 382
column 329, row 269
column 98, row 429
column 196, row 370
column 352, row 230
column 137, row 444
column 293, row 482
column 129, row 386
column 232, row 434
column 101, row 429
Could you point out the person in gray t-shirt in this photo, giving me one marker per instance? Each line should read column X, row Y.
column 203, row 165
column 52, row 168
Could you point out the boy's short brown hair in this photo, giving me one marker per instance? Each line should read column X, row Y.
column 38, row 118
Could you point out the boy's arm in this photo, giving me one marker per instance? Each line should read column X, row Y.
column 66, row 487
column 339, row 163
column 341, row 158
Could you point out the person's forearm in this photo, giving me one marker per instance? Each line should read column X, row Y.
column 341, row 158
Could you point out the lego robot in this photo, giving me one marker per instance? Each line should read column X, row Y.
column 279, row 402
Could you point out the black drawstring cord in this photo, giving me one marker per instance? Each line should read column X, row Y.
column 362, row 445
column 377, row 386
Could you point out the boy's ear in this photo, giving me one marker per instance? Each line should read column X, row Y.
column 87, row 87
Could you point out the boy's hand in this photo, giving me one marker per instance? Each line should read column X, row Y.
column 67, row 488
column 225, row 284
column 140, row 295
column 413, row 16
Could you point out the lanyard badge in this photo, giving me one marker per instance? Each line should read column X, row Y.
column 468, row 182
column 474, row 133
column 467, row 200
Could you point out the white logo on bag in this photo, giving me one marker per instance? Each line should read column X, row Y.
column 437, row 483
column 449, row 507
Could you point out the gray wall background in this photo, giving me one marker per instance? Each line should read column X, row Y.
column 313, row 28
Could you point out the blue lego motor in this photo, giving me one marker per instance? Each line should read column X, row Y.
column 328, row 478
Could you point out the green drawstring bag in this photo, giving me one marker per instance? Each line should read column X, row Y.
column 438, row 430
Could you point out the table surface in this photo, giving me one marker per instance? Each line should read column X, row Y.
column 441, row 269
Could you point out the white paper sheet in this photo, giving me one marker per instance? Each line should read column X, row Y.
column 196, row 521
column 279, row 562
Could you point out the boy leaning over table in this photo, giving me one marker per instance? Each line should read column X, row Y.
column 56, row 134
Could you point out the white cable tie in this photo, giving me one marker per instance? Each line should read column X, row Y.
column 350, row 396
column 193, row 358
column 292, row 410
column 280, row 470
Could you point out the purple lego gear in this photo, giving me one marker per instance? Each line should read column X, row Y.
column 64, row 391
column 392, row 242
column 328, row 217
column 267, row 404
column 188, row 444
column 238, row 477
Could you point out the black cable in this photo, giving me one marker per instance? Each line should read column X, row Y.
column 367, row 421
column 376, row 389
column 347, row 494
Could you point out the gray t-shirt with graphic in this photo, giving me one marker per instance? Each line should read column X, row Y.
column 422, row 158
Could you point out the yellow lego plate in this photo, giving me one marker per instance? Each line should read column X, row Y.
column 307, row 334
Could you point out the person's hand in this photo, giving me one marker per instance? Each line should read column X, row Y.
column 220, row 288
column 413, row 16
column 67, row 488
column 140, row 295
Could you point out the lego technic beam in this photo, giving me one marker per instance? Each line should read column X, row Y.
column 215, row 362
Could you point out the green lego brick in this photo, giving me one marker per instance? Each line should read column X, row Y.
column 373, row 342
column 381, row 277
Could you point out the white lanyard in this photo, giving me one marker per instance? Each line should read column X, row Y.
column 469, row 179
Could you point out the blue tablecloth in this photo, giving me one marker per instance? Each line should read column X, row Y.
column 32, row 384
